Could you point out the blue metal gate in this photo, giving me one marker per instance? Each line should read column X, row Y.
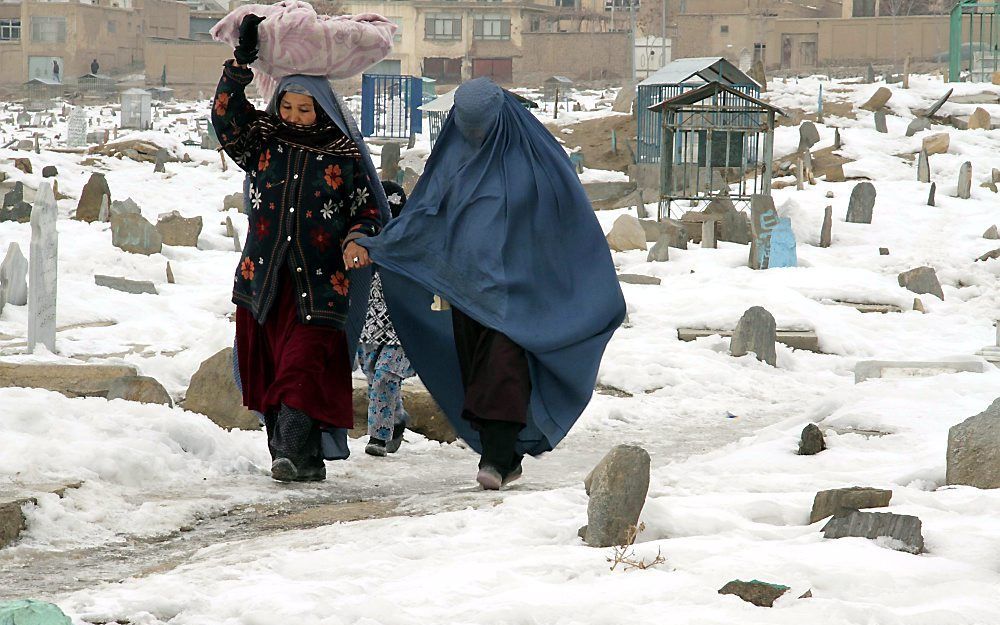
column 389, row 106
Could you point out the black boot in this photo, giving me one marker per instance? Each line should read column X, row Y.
column 499, row 458
column 295, row 445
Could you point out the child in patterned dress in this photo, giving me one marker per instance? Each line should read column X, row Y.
column 383, row 360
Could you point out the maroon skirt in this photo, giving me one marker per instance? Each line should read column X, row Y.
column 305, row 367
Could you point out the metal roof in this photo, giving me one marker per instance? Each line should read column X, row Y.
column 43, row 81
column 444, row 102
column 698, row 70
column 707, row 91
column 559, row 79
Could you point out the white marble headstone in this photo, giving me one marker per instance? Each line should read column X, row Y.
column 13, row 276
column 42, row 268
column 76, row 128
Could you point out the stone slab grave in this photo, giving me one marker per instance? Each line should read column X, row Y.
column 125, row 285
column 869, row 369
column 796, row 339
column 901, row 532
column 611, row 195
column 42, row 270
column 830, row 502
column 755, row 332
column 71, row 380
column 866, row 307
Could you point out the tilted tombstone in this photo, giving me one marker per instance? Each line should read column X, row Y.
column 13, row 277
column 42, row 270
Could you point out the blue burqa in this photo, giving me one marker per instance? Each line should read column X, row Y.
column 500, row 227
column 334, row 441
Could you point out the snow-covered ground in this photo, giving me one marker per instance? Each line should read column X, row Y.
column 729, row 498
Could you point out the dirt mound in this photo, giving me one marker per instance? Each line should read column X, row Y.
column 594, row 138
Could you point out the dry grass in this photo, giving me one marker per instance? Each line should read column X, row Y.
column 625, row 555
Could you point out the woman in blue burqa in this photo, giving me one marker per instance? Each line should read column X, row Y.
column 499, row 228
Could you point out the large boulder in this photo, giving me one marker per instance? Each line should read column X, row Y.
column 756, row 332
column 213, row 393
column 617, row 488
column 141, row 389
column 178, row 230
column 627, row 234
column 974, row 450
column 89, row 208
column 921, row 280
column 811, row 442
column 71, row 380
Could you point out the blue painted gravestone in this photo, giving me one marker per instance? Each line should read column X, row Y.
column 773, row 242
column 28, row 612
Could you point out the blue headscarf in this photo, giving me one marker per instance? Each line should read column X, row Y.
column 499, row 226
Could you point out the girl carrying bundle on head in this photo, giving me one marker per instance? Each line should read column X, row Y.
column 300, row 287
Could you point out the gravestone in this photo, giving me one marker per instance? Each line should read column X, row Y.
column 992, row 233
column 902, row 530
column 23, row 119
column 734, row 226
column 919, row 124
column 826, row 233
column 132, row 233
column 76, row 128
column 974, row 450
column 937, row 143
column 234, row 201
column 708, row 234
column 178, row 230
column 879, row 99
column 808, row 136
column 938, row 104
column 923, row 167
column 652, row 230
column 231, row 231
column 830, row 502
column 861, row 204
column 930, row 194
column 31, row 612
column 13, row 277
column 835, row 173
column 617, row 488
column 965, row 180
column 14, row 207
column 49, row 171
column 880, row 123
column 758, row 74
column 811, row 442
column 122, row 207
column 627, row 234
column 883, row 251
column 89, row 208
column 837, row 143
column 634, row 278
column 995, row 175
column 390, row 161
column 921, row 280
column 160, row 162
column 135, row 287
column 104, row 215
column 906, row 73
column 660, row 252
column 42, row 270
column 23, row 164
column 783, row 247
column 756, row 332
column 764, row 221
column 980, row 120
column 170, row 274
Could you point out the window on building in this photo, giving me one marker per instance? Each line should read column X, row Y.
column 535, row 24
column 447, row 27
column 398, row 21
column 10, row 30
column 724, row 29
column 443, row 70
column 569, row 4
column 491, row 27
column 621, row 5
column 48, row 29
column 112, row 27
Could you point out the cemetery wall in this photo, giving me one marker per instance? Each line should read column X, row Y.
column 187, row 62
column 580, row 56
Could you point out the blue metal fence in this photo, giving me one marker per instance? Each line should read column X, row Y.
column 389, row 105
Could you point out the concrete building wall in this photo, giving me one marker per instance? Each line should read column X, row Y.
column 580, row 56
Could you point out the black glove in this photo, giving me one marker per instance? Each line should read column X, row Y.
column 246, row 49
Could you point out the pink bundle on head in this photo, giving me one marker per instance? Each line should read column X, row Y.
column 295, row 40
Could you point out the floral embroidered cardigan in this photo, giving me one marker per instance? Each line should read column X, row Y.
column 304, row 202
